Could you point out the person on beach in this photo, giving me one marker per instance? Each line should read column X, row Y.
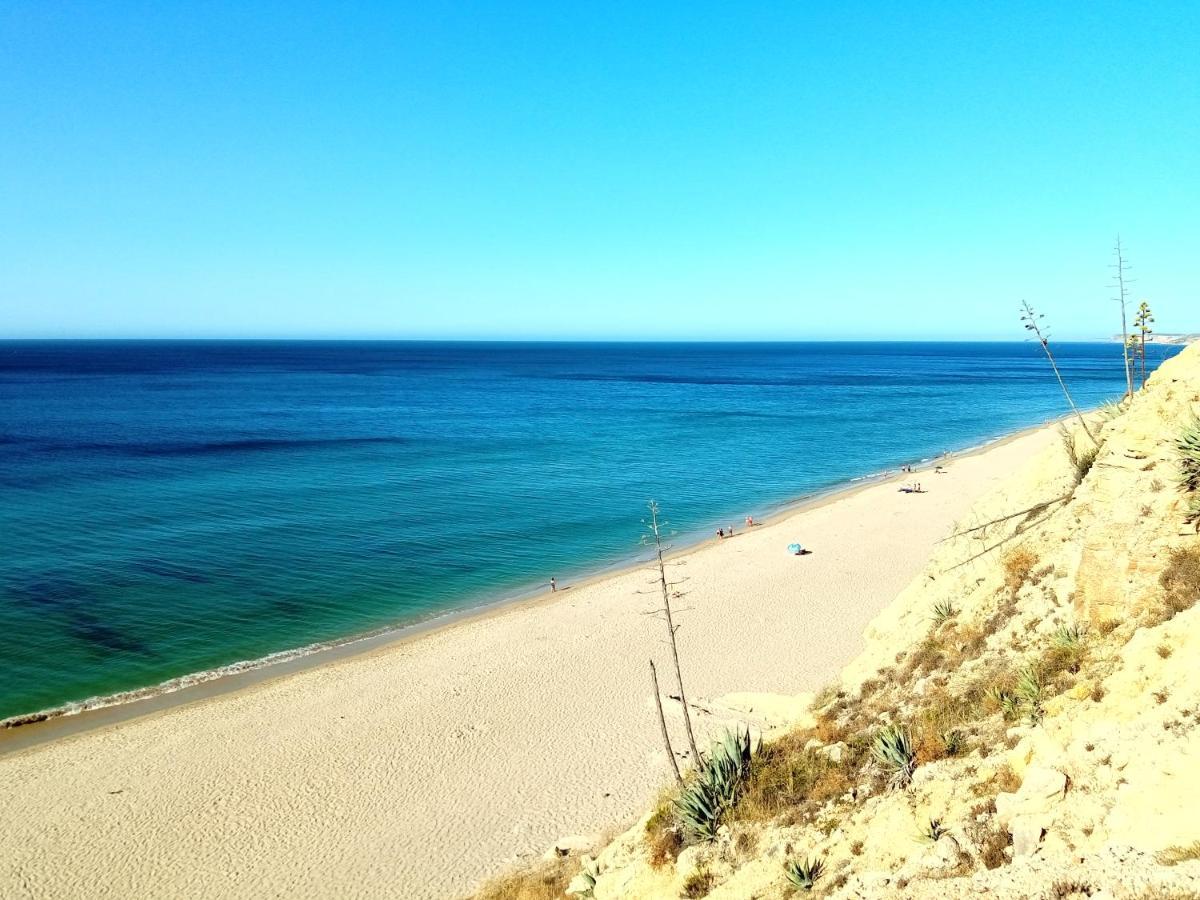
column 729, row 531
column 720, row 533
column 749, row 521
column 553, row 585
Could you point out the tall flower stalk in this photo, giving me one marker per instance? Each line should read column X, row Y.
column 1033, row 324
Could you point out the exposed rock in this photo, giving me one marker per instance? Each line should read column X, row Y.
column 1026, row 831
column 572, row 845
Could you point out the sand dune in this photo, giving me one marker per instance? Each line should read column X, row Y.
column 419, row 768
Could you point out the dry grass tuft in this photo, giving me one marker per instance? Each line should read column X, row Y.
column 1108, row 626
column 791, row 783
column 548, row 881
column 1018, row 565
column 1173, row 856
column 1070, row 890
column 1180, row 582
column 698, row 884
column 990, row 841
column 664, row 837
column 1006, row 781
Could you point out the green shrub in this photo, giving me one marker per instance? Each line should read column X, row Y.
column 803, row 874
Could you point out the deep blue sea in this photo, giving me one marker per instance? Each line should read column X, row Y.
column 172, row 507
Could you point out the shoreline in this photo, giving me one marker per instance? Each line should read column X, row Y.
column 23, row 731
column 425, row 765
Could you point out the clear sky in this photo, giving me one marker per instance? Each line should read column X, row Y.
column 608, row 170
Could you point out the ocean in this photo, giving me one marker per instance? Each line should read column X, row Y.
column 172, row 507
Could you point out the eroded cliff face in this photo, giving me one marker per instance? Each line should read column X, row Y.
column 1046, row 666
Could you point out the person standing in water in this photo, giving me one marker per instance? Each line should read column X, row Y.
column 553, row 585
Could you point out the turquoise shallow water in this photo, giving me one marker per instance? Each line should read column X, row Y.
column 172, row 507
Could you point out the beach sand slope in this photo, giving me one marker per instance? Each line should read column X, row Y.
column 417, row 769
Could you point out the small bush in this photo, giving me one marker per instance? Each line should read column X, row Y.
column 893, row 750
column 664, row 838
column 803, row 874
column 698, row 884
column 990, row 841
column 1180, row 582
column 1018, row 564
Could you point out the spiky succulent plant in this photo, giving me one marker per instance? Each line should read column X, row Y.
column 893, row 750
column 1029, row 692
column 1191, row 515
column 1187, row 446
column 1070, row 637
column 583, row 885
column 933, row 831
column 714, row 787
column 943, row 610
column 1005, row 701
column 952, row 741
column 802, row 874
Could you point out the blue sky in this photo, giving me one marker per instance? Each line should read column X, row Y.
column 790, row 170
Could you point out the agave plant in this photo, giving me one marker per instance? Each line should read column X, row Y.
column 583, row 885
column 803, row 873
column 1187, row 446
column 1029, row 691
column 1005, row 701
column 893, row 750
column 1191, row 516
column 706, row 798
column 1070, row 637
column 952, row 741
column 943, row 610
column 933, row 831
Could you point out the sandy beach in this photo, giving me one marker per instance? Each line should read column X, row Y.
column 418, row 768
